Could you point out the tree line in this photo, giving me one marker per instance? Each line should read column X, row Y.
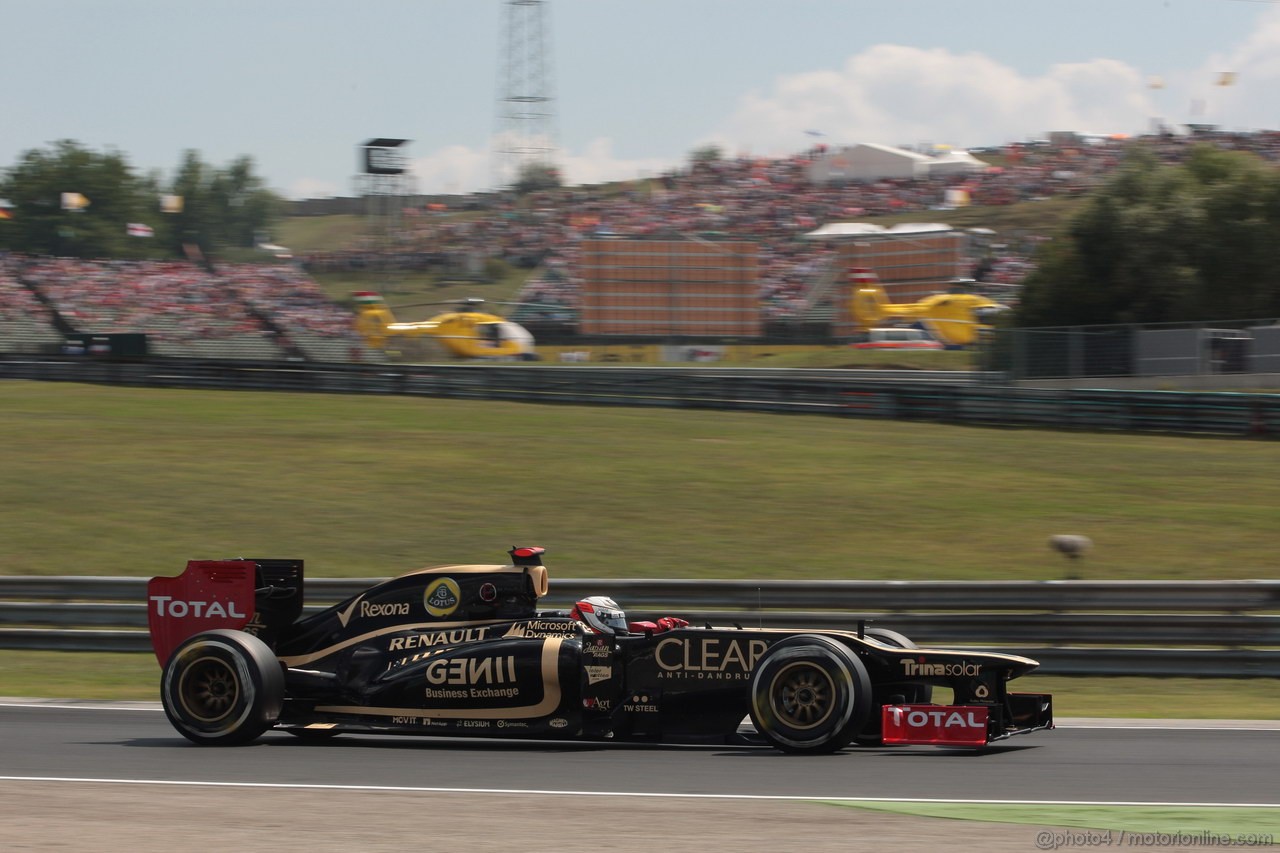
column 1194, row 241
column 114, row 212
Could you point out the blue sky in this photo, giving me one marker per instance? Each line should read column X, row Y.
column 636, row 86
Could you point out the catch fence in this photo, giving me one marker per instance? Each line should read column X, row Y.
column 1224, row 629
column 1153, row 351
column 960, row 397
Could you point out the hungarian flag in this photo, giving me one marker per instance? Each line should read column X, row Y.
column 137, row 229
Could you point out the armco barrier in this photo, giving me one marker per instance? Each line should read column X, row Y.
column 1165, row 628
column 941, row 396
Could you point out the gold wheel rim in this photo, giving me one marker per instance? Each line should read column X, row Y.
column 208, row 689
column 803, row 696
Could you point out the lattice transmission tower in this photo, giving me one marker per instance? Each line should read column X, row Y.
column 525, row 136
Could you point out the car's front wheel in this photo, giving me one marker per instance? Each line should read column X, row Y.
column 222, row 688
column 911, row 693
column 809, row 694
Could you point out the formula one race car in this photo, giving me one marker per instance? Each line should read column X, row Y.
column 464, row 650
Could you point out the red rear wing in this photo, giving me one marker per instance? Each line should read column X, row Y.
column 209, row 594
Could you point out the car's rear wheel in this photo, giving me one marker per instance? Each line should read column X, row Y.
column 222, row 688
column 809, row 694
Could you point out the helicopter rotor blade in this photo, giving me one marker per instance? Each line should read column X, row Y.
column 473, row 300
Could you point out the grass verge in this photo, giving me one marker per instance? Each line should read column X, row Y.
column 129, row 481
column 1113, row 826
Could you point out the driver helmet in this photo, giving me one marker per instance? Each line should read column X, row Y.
column 600, row 614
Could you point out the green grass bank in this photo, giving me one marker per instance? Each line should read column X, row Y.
column 125, row 481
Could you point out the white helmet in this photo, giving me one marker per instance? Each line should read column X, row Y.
column 600, row 614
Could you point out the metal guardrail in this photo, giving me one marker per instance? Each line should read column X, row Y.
column 939, row 396
column 1192, row 628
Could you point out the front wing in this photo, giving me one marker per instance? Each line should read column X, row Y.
column 966, row 725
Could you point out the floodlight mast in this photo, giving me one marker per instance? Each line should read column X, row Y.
column 385, row 183
column 525, row 135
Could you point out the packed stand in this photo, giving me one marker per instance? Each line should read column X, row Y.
column 26, row 324
column 255, row 311
column 770, row 201
column 298, row 309
column 271, row 311
column 184, row 310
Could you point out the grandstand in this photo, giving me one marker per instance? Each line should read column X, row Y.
column 310, row 324
column 25, row 324
column 239, row 312
column 796, row 284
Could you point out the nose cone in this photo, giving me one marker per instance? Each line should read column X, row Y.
column 517, row 334
column 1017, row 665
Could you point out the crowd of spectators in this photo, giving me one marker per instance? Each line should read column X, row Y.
column 288, row 296
column 263, row 308
column 168, row 300
column 771, row 202
column 305, row 319
column 768, row 201
column 16, row 301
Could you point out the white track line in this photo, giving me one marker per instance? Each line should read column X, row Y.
column 635, row 794
column 68, row 705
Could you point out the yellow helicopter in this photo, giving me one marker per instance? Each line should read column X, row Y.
column 955, row 319
column 465, row 332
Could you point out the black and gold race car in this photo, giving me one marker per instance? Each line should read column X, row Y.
column 464, row 650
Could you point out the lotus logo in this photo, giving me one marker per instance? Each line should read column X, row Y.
column 442, row 597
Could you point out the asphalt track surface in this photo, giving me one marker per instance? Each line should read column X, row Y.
column 1113, row 763
column 75, row 777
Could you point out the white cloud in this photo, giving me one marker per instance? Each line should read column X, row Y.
column 895, row 94
column 452, row 170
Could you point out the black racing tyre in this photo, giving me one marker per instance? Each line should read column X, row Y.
column 890, row 638
column 809, row 694
column 222, row 688
column 914, row 694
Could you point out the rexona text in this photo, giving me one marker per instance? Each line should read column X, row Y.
column 391, row 608
column 167, row 606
